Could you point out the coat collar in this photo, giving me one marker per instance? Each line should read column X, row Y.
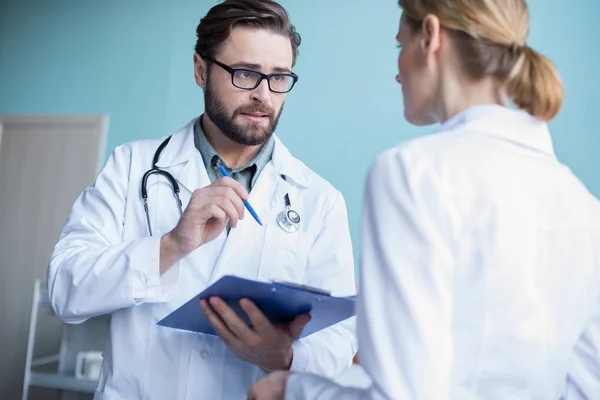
column 182, row 149
column 514, row 125
column 287, row 165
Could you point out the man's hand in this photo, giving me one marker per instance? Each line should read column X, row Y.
column 204, row 218
column 264, row 344
column 270, row 388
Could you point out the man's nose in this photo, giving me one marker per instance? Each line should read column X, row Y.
column 262, row 93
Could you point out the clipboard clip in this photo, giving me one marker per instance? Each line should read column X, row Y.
column 302, row 287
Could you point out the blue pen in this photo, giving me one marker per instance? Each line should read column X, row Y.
column 248, row 206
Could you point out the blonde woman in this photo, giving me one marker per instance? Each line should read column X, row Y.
column 480, row 276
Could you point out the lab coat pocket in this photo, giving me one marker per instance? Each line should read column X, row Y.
column 284, row 255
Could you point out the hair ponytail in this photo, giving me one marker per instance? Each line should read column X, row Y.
column 535, row 85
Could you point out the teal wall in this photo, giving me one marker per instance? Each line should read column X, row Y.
column 133, row 60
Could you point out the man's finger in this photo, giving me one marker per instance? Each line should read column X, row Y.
column 214, row 211
column 235, row 324
column 218, row 325
column 230, row 209
column 236, row 200
column 232, row 195
column 235, row 185
column 260, row 390
column 298, row 324
column 260, row 323
column 252, row 393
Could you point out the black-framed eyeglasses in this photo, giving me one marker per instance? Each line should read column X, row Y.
column 248, row 79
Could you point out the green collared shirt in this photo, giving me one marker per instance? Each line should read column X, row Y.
column 246, row 175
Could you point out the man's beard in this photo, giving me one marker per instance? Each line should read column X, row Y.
column 250, row 134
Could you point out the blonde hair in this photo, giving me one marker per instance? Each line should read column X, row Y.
column 491, row 38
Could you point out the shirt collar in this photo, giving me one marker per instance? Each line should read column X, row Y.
column 510, row 124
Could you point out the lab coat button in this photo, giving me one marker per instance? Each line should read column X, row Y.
column 205, row 354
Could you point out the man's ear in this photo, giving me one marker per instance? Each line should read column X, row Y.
column 431, row 40
column 200, row 70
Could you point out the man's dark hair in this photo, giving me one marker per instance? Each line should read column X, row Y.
column 215, row 27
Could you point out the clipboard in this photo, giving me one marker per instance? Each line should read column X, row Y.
column 281, row 302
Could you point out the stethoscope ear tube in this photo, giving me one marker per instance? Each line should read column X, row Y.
column 170, row 178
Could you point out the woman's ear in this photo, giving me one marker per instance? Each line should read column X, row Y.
column 431, row 40
column 200, row 70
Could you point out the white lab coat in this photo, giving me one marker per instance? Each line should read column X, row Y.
column 106, row 262
column 480, row 274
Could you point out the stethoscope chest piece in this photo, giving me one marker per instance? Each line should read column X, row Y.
column 288, row 219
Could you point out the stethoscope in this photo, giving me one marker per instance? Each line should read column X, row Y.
column 288, row 219
column 156, row 170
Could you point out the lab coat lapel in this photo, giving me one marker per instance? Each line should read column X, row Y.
column 182, row 160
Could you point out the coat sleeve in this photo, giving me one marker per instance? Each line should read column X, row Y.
column 330, row 265
column 583, row 378
column 404, row 302
column 92, row 271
